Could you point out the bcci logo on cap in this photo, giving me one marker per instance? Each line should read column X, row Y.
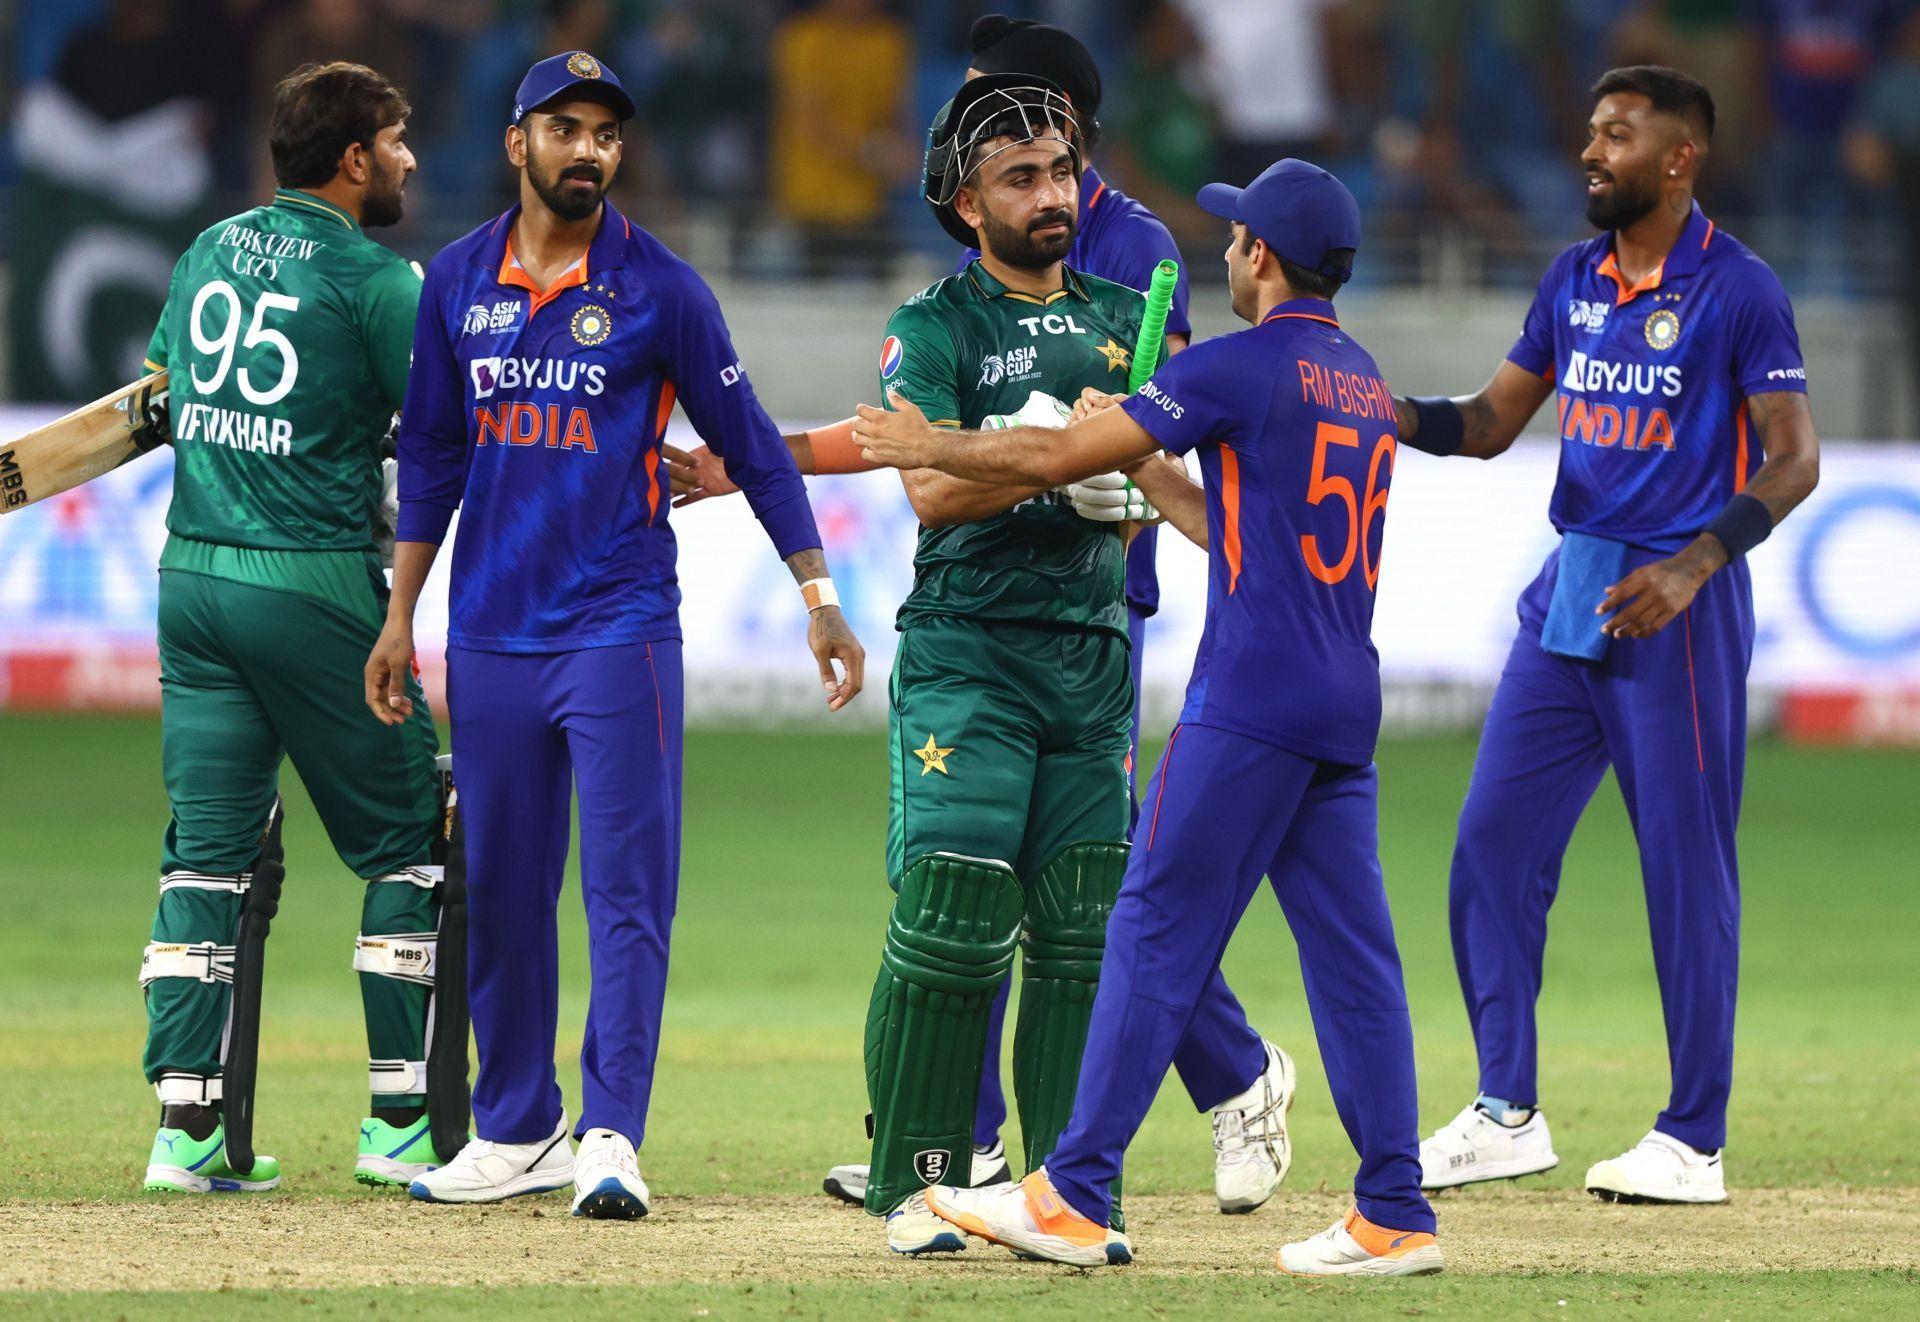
column 582, row 65
column 931, row 1165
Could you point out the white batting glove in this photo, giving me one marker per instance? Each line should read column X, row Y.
column 387, row 521
column 1110, row 498
column 1040, row 410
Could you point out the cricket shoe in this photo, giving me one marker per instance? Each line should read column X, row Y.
column 1659, row 1169
column 181, row 1163
column 487, row 1172
column 1251, row 1154
column 913, row 1229
column 1030, row 1217
column 606, row 1178
column 1473, row 1146
column 849, row 1183
column 394, row 1156
column 1357, row 1247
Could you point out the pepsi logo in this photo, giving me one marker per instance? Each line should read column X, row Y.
column 892, row 354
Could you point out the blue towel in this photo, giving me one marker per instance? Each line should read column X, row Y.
column 1588, row 567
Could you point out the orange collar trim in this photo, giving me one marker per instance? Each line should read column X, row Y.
column 1303, row 316
column 1651, row 280
column 515, row 275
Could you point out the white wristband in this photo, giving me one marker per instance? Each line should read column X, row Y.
column 818, row 592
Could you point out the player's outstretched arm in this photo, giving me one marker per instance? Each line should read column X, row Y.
column 699, row 472
column 1647, row 600
column 828, row 633
column 1039, row 457
column 1478, row 426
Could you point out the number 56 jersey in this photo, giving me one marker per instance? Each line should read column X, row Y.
column 286, row 336
column 1296, row 434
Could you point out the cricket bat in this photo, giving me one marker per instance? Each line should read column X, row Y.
column 86, row 443
column 1146, row 350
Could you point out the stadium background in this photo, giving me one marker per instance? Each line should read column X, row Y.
column 133, row 122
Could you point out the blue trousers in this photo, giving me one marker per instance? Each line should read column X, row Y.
column 1669, row 714
column 1221, row 810
column 528, row 731
column 1221, row 1055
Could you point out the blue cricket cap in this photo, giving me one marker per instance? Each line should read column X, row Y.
column 1300, row 210
column 574, row 73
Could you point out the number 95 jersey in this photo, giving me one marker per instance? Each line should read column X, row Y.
column 286, row 335
column 1296, row 434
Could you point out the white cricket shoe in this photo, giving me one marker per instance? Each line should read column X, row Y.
column 1031, row 1219
column 1357, row 1247
column 1473, row 1146
column 849, row 1183
column 606, row 1178
column 913, row 1229
column 1251, row 1153
column 1659, row 1169
column 488, row 1172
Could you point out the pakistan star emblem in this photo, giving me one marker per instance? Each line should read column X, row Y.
column 933, row 757
column 1117, row 358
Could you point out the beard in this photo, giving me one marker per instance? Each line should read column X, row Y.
column 1018, row 248
column 383, row 204
column 566, row 202
column 1623, row 206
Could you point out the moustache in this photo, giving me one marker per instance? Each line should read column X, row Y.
column 1056, row 218
column 590, row 173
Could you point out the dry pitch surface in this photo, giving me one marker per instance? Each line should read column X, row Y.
column 718, row 1240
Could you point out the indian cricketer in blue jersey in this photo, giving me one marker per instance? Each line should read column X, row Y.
column 551, row 346
column 1228, row 1070
column 1270, row 769
column 1684, row 437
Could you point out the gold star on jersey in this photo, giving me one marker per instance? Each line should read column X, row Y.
column 592, row 324
column 1118, row 359
column 933, row 757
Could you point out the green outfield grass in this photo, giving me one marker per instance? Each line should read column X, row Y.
column 781, row 912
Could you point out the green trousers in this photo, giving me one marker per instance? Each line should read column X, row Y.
column 1008, row 742
column 253, row 672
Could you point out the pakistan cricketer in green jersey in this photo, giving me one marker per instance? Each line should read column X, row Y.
column 287, row 334
column 1011, row 694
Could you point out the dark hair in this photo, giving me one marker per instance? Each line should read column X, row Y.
column 1670, row 91
column 319, row 110
column 1301, row 280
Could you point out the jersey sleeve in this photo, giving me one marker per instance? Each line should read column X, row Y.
column 1766, row 347
column 1141, row 244
column 1534, row 349
column 1189, row 401
column 157, row 345
column 920, row 360
column 712, row 387
column 387, row 308
column 433, row 448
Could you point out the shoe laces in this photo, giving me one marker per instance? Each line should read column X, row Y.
column 1239, row 1135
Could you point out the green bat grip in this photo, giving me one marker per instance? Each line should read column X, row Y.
column 1146, row 352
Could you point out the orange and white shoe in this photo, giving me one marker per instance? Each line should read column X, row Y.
column 1357, row 1247
column 1030, row 1217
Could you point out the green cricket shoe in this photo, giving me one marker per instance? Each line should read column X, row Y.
column 181, row 1163
column 392, row 1156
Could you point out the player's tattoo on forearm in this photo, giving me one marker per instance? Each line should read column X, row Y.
column 1783, row 421
column 808, row 564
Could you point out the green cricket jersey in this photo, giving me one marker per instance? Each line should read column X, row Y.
column 969, row 347
column 287, row 333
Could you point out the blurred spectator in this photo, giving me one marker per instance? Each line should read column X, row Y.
column 1266, row 68
column 1815, row 56
column 839, row 86
column 1161, row 124
column 1882, row 150
column 709, row 106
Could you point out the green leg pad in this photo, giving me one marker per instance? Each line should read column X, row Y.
column 1067, row 908
column 396, row 1011
column 950, row 941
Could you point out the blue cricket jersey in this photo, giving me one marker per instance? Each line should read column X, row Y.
column 1118, row 239
column 1653, row 382
column 1296, row 433
column 539, row 414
